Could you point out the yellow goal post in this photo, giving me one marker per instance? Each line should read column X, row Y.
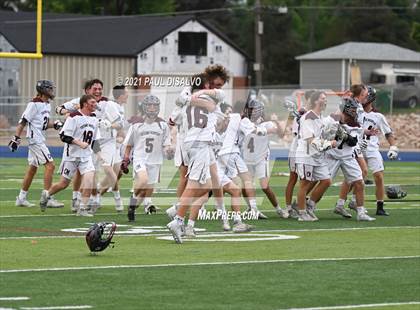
column 38, row 53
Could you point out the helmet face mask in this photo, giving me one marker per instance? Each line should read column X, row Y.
column 151, row 106
column 46, row 88
column 371, row 95
column 99, row 236
column 254, row 110
column 348, row 106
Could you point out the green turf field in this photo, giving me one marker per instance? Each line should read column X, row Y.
column 283, row 264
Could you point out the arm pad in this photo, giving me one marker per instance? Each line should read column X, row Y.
column 66, row 139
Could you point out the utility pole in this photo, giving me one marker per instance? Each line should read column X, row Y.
column 259, row 29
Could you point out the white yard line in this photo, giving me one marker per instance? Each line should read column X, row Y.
column 359, row 306
column 13, row 298
column 82, row 235
column 303, row 260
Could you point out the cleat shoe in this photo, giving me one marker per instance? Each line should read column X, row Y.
column 189, row 232
column 75, row 203
column 44, row 200
column 84, row 212
column 311, row 212
column 361, row 216
column 23, row 203
column 150, row 209
column 368, row 182
column 352, row 205
column 241, row 227
column 305, row 217
column 119, row 207
column 381, row 212
column 282, row 213
column 176, row 230
column 340, row 210
column 131, row 214
column 52, row 203
column 171, row 212
column 226, row 226
column 262, row 216
column 293, row 214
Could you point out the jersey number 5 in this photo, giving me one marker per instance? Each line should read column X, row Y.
column 149, row 145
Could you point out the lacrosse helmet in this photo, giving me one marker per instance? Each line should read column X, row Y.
column 46, row 87
column 395, row 192
column 371, row 95
column 349, row 106
column 99, row 236
column 254, row 110
column 151, row 106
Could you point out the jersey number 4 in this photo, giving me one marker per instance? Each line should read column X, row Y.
column 251, row 146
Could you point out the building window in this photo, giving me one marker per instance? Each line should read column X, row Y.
column 211, row 60
column 164, row 59
column 218, row 48
column 197, row 59
column 10, row 83
column 164, row 41
column 143, row 56
column 182, row 59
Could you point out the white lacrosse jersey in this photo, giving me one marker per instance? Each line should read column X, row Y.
column 201, row 124
column 234, row 134
column 311, row 126
column 375, row 120
column 256, row 148
column 343, row 150
column 147, row 141
column 83, row 128
column 72, row 105
column 37, row 113
column 110, row 112
column 178, row 119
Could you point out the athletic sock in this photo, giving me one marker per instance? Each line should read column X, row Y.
column 340, row 202
column 147, row 201
column 289, row 207
column 379, row 204
column 191, row 223
column 237, row 218
column 311, row 203
column 22, row 194
column 117, row 194
column 179, row 219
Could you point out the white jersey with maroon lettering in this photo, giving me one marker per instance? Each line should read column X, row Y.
column 234, row 134
column 147, row 141
column 375, row 120
column 201, row 124
column 83, row 128
column 37, row 114
column 311, row 126
column 256, row 148
column 343, row 150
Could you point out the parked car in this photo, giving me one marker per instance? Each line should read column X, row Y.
column 405, row 84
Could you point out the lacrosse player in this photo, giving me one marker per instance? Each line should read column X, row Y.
column 256, row 153
column 37, row 117
column 375, row 121
column 79, row 134
column 148, row 140
column 311, row 166
column 293, row 177
column 342, row 157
